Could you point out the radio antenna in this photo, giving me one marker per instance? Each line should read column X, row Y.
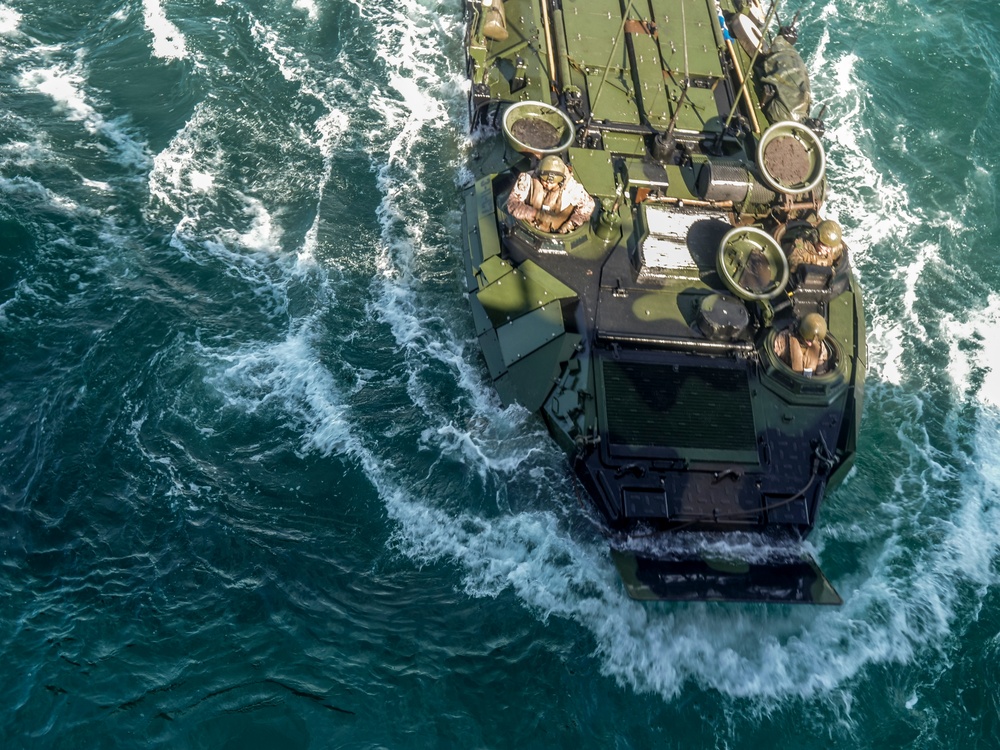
column 746, row 80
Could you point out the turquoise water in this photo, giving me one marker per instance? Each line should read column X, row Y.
column 256, row 493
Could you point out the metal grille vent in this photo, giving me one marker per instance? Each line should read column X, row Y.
column 676, row 406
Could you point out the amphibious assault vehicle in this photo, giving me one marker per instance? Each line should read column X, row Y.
column 650, row 321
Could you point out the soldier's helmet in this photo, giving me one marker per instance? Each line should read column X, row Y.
column 830, row 233
column 552, row 168
column 813, row 326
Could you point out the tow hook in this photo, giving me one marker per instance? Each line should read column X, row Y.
column 727, row 474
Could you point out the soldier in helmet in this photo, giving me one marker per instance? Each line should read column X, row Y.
column 825, row 252
column 805, row 351
column 550, row 198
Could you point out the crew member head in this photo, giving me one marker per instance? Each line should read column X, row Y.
column 552, row 171
column 812, row 329
column 830, row 234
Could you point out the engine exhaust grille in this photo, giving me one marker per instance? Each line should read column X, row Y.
column 678, row 406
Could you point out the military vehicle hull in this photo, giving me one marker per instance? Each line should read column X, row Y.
column 648, row 338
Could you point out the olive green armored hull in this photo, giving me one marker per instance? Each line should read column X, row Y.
column 648, row 337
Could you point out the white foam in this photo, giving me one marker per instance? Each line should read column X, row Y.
column 501, row 444
column 309, row 6
column 876, row 205
column 287, row 375
column 25, row 153
column 36, row 191
column 202, row 182
column 168, row 41
column 189, row 177
column 285, row 57
column 972, row 530
column 971, row 352
column 330, row 127
column 329, row 130
column 186, row 162
column 184, row 179
column 264, row 233
column 875, row 210
column 974, row 536
column 739, row 651
column 65, row 86
column 98, row 185
column 10, row 21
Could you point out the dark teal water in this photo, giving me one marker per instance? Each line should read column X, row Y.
column 255, row 493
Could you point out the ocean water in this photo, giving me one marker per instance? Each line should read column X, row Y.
column 255, row 491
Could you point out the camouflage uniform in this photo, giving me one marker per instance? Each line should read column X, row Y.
column 804, row 251
column 795, row 352
column 561, row 209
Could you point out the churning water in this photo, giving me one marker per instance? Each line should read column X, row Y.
column 257, row 493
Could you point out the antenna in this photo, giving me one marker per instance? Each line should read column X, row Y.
column 684, row 39
column 739, row 95
column 664, row 144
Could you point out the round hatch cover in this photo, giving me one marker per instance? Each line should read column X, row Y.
column 751, row 264
column 722, row 318
column 537, row 128
column 790, row 157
